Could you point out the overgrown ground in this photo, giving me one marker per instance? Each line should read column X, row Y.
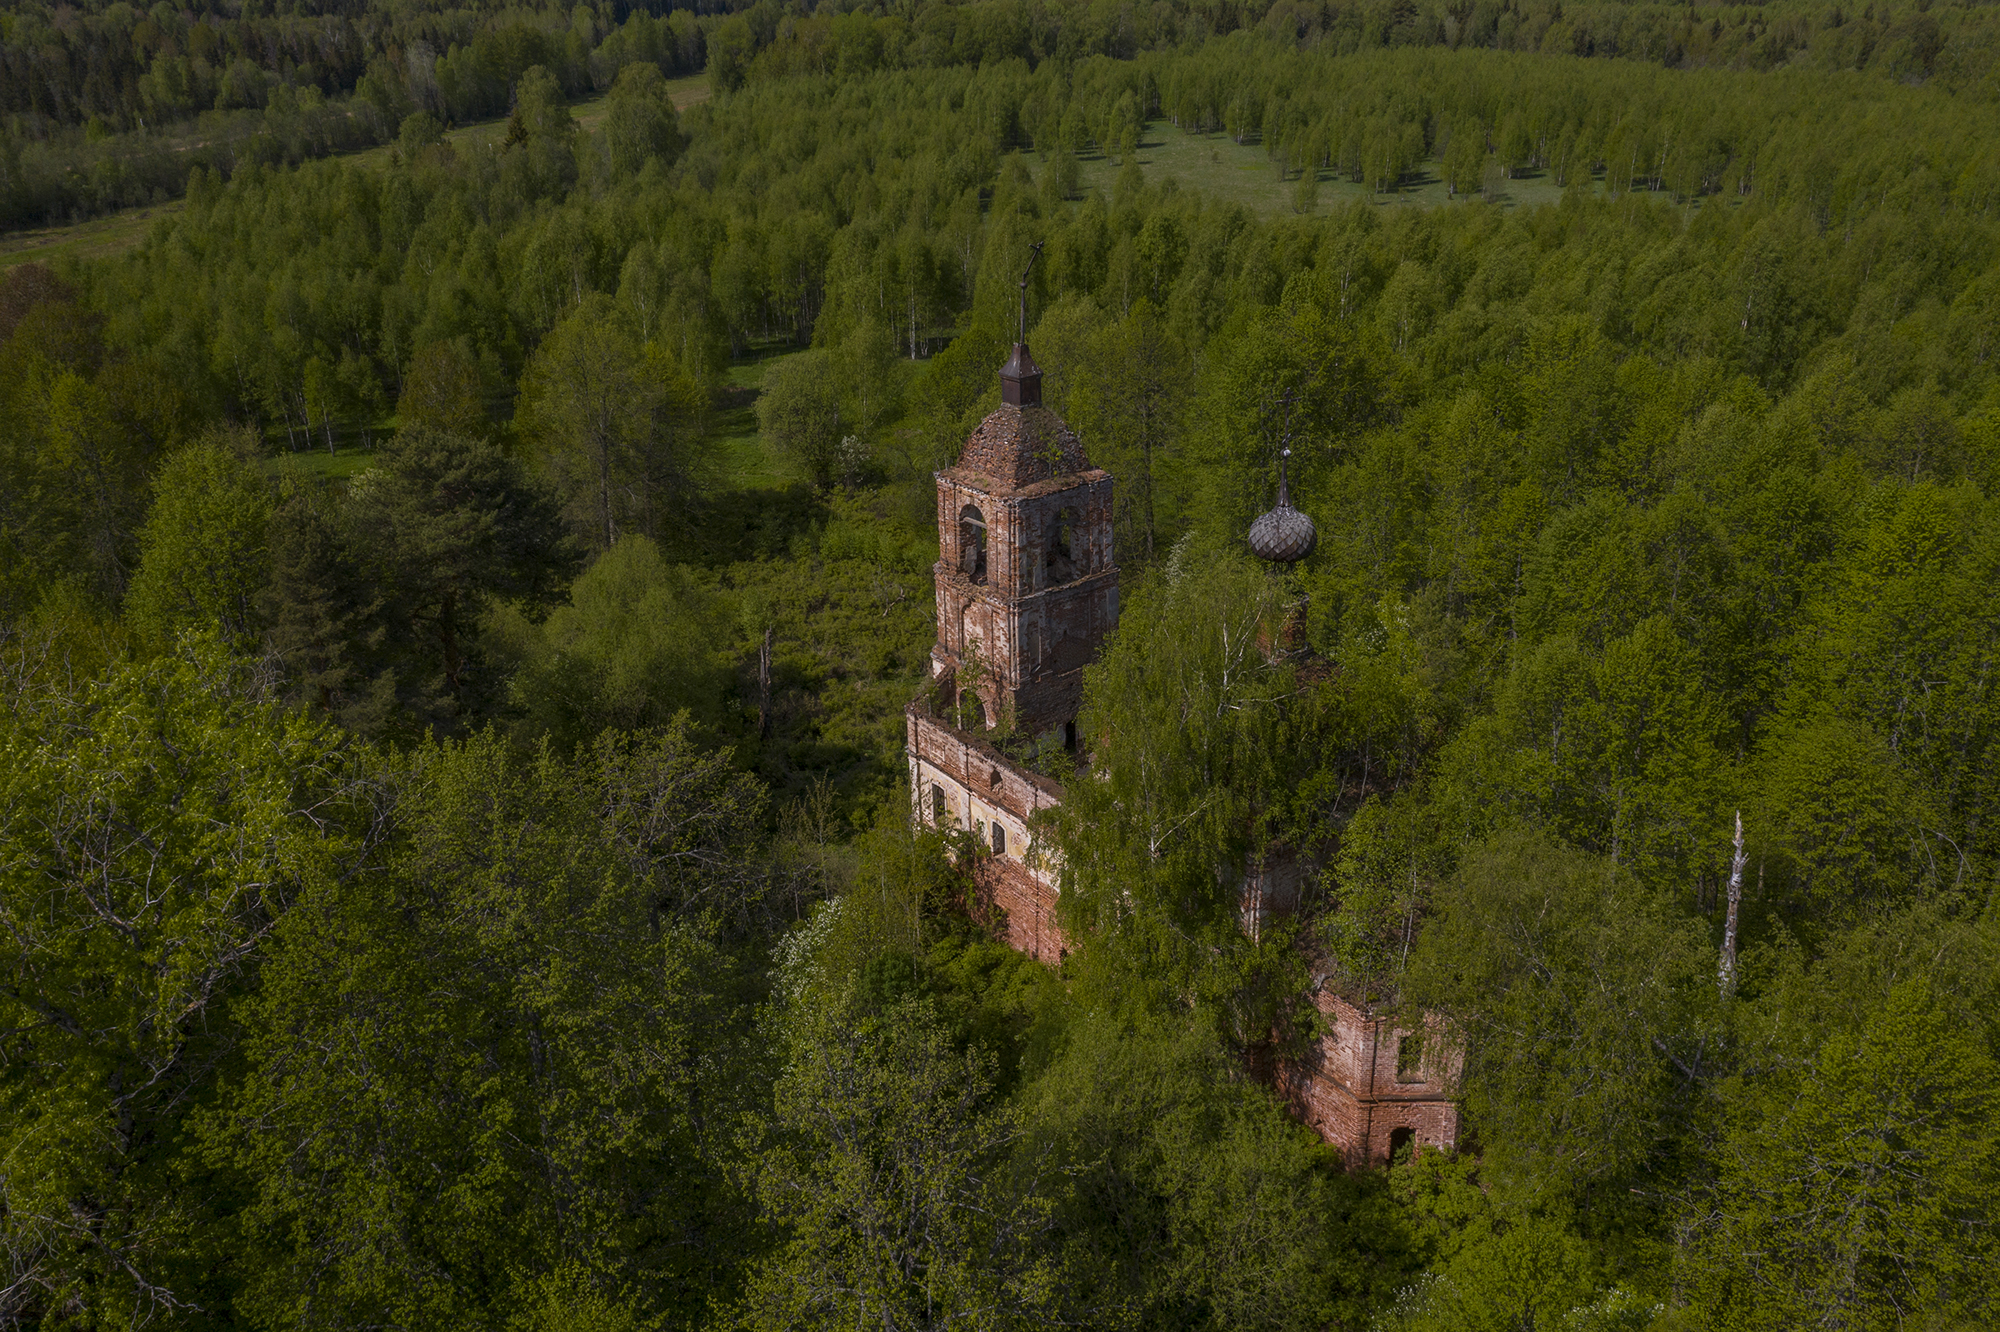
column 1218, row 165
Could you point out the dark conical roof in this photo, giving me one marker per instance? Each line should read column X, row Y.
column 1284, row 535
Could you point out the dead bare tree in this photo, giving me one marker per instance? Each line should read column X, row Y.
column 1726, row 973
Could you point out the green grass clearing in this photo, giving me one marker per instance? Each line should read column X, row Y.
column 115, row 233
column 748, row 461
column 98, row 238
column 1241, row 172
column 319, row 463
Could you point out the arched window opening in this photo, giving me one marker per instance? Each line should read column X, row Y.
column 972, row 543
column 939, row 810
column 1069, row 736
column 1062, row 559
column 999, row 839
column 1402, row 1146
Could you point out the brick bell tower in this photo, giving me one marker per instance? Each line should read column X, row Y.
column 1026, row 584
column 1027, row 588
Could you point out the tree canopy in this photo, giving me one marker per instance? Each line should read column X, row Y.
column 458, row 605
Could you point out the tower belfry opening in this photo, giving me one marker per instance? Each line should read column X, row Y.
column 972, row 543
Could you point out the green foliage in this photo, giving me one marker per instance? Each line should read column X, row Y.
column 618, row 422
column 442, row 391
column 799, row 411
column 636, row 644
column 203, row 556
column 1201, row 732
column 1124, row 386
column 571, row 1298
column 885, row 1163
column 479, row 1071
column 1584, row 1011
column 1531, row 1274
column 77, row 438
column 439, row 528
column 1664, row 502
column 1857, row 1183
column 906, row 878
column 159, row 822
column 1191, row 1201
column 640, row 125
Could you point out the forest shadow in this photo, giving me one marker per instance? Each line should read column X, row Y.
column 752, row 523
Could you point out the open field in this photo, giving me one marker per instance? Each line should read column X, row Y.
column 95, row 239
column 118, row 232
column 1217, row 164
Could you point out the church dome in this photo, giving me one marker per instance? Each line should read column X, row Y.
column 1284, row 535
column 1018, row 446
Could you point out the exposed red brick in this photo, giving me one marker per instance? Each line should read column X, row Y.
column 1347, row 1086
column 1037, row 597
column 1029, row 906
column 1019, row 446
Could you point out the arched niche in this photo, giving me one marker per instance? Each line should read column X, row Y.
column 972, row 543
column 1064, row 554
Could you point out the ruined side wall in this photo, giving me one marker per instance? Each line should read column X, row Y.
column 1347, row 1086
column 1029, row 904
column 981, row 789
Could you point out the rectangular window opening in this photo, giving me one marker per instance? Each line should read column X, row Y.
column 1410, row 1058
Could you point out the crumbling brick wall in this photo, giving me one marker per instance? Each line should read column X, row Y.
column 1026, row 572
column 958, row 780
column 1351, row 1087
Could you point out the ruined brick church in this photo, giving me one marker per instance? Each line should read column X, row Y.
column 1027, row 589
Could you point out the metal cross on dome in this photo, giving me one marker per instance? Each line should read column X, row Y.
column 1034, row 253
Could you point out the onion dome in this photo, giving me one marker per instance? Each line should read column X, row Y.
column 1284, row 535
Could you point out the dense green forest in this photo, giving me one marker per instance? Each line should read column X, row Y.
column 106, row 106
column 421, row 909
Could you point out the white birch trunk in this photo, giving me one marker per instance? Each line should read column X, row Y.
column 1726, row 973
